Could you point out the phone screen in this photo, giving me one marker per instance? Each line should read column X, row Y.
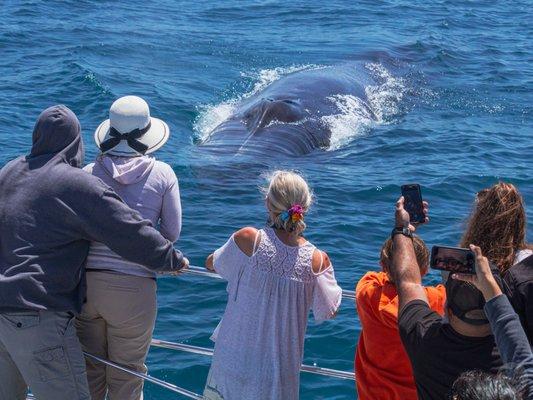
column 453, row 259
column 413, row 203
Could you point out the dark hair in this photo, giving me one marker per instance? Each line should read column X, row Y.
column 478, row 385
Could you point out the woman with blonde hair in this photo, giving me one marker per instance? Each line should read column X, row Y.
column 498, row 226
column 275, row 276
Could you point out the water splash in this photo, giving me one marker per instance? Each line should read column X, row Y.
column 90, row 77
column 212, row 115
column 385, row 97
column 265, row 77
column 356, row 117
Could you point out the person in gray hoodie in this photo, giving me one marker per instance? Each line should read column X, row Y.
column 118, row 319
column 50, row 212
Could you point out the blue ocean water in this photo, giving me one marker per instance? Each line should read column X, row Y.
column 453, row 100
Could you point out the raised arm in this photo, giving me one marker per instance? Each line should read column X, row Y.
column 404, row 269
column 505, row 324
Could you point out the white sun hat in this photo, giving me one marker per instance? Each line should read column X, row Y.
column 130, row 131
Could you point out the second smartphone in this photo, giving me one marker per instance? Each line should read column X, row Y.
column 453, row 259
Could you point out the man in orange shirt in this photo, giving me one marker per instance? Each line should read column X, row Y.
column 383, row 370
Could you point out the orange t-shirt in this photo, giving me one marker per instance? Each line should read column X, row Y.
column 383, row 370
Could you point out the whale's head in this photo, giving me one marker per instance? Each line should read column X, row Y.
column 289, row 115
column 266, row 111
column 279, row 124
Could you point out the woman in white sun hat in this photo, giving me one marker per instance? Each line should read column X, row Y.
column 118, row 318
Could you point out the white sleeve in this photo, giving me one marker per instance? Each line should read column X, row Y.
column 228, row 260
column 327, row 296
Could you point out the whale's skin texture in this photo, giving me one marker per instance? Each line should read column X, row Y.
column 286, row 117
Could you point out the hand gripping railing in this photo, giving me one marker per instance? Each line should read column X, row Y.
column 346, row 294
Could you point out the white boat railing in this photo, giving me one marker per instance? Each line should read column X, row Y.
column 313, row 369
column 145, row 377
column 148, row 378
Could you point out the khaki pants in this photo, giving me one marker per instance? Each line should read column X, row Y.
column 40, row 349
column 116, row 323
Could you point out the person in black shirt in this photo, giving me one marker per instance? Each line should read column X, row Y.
column 439, row 351
column 516, row 381
column 518, row 286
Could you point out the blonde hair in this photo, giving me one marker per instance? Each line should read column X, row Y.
column 286, row 189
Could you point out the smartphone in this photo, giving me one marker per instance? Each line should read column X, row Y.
column 413, row 203
column 453, row 259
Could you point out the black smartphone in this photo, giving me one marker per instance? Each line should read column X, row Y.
column 412, row 195
column 453, row 259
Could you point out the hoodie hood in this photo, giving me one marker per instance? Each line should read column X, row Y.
column 57, row 136
column 126, row 170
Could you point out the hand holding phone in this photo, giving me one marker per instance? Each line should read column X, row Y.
column 483, row 279
column 413, row 203
column 453, row 259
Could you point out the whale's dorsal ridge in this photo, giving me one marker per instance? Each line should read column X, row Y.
column 268, row 109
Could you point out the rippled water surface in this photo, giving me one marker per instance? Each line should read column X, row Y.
column 452, row 104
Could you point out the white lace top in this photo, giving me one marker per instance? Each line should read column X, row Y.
column 259, row 345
